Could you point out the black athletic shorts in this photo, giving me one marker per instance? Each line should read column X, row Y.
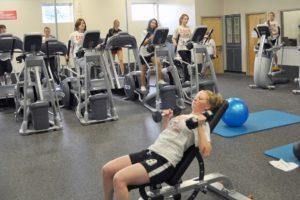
column 273, row 41
column 147, row 58
column 5, row 66
column 115, row 50
column 158, row 168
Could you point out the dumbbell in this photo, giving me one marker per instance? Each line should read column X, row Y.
column 158, row 115
column 192, row 122
column 189, row 45
column 80, row 53
column 150, row 48
column 20, row 58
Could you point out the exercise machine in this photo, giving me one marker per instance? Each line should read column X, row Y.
column 9, row 44
column 297, row 80
column 121, row 40
column 265, row 53
column 202, row 58
column 175, row 186
column 53, row 49
column 163, row 96
column 92, row 96
column 35, row 101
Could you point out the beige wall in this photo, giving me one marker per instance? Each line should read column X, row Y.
column 208, row 8
column 291, row 20
column 165, row 17
column 28, row 16
column 100, row 14
column 170, row 11
column 64, row 29
column 244, row 7
column 231, row 6
column 136, row 28
column 29, row 19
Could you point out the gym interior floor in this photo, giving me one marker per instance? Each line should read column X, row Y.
column 65, row 164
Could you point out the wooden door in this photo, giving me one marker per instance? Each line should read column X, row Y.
column 233, row 43
column 251, row 22
column 216, row 24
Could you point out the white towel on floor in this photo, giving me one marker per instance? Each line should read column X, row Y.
column 282, row 165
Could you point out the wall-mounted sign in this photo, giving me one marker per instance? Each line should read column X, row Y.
column 8, row 15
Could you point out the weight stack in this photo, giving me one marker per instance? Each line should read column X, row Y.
column 98, row 107
column 39, row 114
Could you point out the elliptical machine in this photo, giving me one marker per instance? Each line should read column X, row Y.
column 123, row 40
column 297, row 80
column 93, row 96
column 53, row 49
column 164, row 96
column 198, row 82
column 9, row 44
column 265, row 52
column 37, row 103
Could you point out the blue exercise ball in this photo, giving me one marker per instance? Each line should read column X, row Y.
column 237, row 112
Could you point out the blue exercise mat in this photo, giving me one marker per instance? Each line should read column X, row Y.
column 284, row 152
column 257, row 121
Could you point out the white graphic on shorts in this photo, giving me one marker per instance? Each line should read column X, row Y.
column 151, row 162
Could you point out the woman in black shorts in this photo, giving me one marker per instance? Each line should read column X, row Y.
column 118, row 50
column 148, row 57
column 5, row 62
column 157, row 163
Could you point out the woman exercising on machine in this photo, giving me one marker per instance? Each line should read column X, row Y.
column 211, row 46
column 5, row 63
column 76, row 37
column 47, row 34
column 274, row 30
column 184, row 32
column 118, row 50
column 147, row 36
column 157, row 162
column 52, row 61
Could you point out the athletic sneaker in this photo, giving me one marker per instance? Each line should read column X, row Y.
column 143, row 88
column 101, row 75
column 187, row 82
column 161, row 82
column 8, row 80
column 276, row 68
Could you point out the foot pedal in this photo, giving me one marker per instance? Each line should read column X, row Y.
column 142, row 92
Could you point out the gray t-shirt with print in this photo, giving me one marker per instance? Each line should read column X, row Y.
column 176, row 139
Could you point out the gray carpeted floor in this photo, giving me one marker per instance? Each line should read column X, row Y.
column 65, row 165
